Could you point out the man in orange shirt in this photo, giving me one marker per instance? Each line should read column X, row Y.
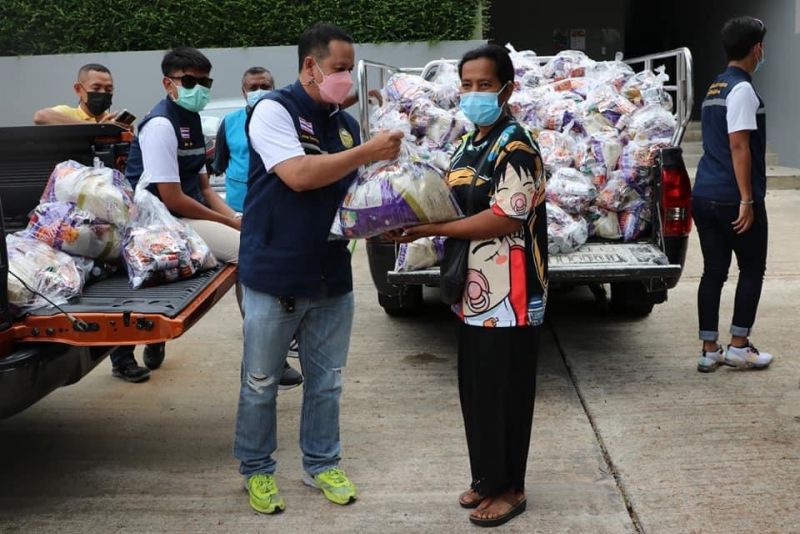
column 95, row 88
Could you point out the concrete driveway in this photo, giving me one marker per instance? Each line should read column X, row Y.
column 627, row 437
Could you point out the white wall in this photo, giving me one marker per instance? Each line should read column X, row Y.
column 29, row 83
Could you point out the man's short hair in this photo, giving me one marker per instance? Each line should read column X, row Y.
column 92, row 67
column 254, row 71
column 183, row 58
column 315, row 40
column 740, row 34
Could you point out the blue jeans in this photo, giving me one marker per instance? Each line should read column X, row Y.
column 322, row 328
column 719, row 242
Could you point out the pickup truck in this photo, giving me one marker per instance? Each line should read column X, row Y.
column 639, row 273
column 48, row 347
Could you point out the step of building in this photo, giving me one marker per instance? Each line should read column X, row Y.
column 777, row 177
column 693, row 150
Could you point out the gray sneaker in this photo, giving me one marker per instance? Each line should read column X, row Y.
column 709, row 361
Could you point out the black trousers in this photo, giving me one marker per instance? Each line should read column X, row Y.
column 497, row 386
column 719, row 242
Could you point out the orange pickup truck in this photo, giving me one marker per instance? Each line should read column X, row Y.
column 49, row 348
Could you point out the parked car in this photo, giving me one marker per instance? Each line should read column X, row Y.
column 211, row 118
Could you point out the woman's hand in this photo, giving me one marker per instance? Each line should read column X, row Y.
column 412, row 233
column 745, row 220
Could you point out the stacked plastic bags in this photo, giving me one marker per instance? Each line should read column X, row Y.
column 599, row 126
column 87, row 222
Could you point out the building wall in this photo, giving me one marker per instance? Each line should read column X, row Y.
column 30, row 83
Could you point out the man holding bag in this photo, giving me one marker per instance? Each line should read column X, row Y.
column 304, row 155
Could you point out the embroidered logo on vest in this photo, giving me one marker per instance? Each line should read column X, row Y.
column 347, row 139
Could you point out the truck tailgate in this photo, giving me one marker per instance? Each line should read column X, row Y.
column 114, row 314
column 592, row 263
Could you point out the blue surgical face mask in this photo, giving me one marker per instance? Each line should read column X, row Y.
column 761, row 61
column 194, row 99
column 255, row 96
column 482, row 108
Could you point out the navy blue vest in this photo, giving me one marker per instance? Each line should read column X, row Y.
column 284, row 249
column 716, row 179
column 191, row 148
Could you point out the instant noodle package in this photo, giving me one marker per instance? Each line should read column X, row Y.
column 599, row 126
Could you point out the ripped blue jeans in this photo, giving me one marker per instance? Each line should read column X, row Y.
column 322, row 327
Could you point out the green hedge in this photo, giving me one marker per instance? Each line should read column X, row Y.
column 71, row 26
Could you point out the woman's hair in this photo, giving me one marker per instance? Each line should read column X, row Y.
column 741, row 34
column 503, row 67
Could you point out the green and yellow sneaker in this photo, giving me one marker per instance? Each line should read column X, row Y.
column 334, row 484
column 264, row 496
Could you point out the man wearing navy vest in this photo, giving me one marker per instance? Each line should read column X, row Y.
column 728, row 198
column 170, row 149
column 304, row 154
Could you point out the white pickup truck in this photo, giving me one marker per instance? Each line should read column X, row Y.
column 639, row 273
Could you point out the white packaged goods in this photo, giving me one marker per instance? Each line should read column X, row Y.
column 420, row 254
column 45, row 270
column 599, row 126
column 101, row 191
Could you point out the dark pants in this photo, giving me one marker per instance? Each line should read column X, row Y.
column 497, row 386
column 719, row 242
column 124, row 354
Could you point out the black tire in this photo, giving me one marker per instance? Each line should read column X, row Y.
column 154, row 355
column 631, row 298
column 407, row 302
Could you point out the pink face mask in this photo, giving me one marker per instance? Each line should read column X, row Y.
column 334, row 87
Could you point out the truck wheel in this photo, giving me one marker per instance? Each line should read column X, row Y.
column 631, row 298
column 407, row 302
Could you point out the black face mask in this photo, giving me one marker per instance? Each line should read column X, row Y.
column 97, row 102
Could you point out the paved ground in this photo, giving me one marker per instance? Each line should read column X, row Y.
column 622, row 418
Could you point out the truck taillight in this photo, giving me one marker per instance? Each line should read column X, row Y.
column 676, row 201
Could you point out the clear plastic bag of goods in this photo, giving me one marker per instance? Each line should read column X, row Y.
column 603, row 99
column 572, row 190
column 613, row 73
column 634, row 221
column 403, row 89
column 557, row 149
column 524, row 106
column 55, row 274
column 390, row 195
column 568, row 64
column 577, row 86
column 558, row 112
column 647, row 88
column 446, row 86
column 420, row 254
column 606, row 149
column 652, row 122
column 615, row 194
column 565, row 233
column 158, row 248
column 525, row 62
column 65, row 226
column 603, row 223
column 637, row 161
column 103, row 192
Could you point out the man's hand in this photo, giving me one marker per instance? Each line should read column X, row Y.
column 385, row 145
column 745, row 220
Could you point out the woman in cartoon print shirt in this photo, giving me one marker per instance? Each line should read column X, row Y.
column 506, row 288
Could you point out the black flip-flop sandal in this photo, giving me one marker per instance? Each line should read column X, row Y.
column 470, row 505
column 503, row 519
